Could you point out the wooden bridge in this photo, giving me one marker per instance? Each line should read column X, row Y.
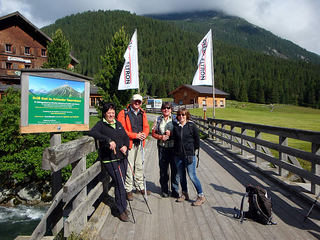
column 224, row 176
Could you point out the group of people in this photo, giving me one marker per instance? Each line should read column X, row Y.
column 121, row 142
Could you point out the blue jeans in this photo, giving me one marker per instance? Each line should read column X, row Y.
column 182, row 166
column 166, row 159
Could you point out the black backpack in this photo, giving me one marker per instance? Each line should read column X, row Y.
column 260, row 206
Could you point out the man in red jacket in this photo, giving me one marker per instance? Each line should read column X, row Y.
column 135, row 122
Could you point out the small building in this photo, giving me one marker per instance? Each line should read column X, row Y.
column 199, row 95
column 22, row 46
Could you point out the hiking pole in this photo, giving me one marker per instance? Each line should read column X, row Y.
column 144, row 178
column 134, row 220
column 134, row 180
column 314, row 203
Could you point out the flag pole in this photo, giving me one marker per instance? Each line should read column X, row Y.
column 137, row 58
column 213, row 89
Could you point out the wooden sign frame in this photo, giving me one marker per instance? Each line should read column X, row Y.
column 58, row 123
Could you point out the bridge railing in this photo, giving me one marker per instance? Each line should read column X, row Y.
column 72, row 205
column 268, row 143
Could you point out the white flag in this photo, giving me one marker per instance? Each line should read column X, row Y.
column 204, row 74
column 129, row 78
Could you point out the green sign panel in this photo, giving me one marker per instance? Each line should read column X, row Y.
column 55, row 101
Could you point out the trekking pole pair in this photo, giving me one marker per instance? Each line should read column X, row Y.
column 134, row 220
column 143, row 195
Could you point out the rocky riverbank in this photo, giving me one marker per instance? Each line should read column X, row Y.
column 30, row 194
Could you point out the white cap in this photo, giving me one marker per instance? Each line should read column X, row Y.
column 137, row 97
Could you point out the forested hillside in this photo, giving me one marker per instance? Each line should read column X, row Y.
column 168, row 57
column 238, row 32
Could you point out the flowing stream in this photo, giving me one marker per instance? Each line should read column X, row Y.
column 20, row 220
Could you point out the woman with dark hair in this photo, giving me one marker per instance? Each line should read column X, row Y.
column 113, row 146
column 162, row 127
column 186, row 142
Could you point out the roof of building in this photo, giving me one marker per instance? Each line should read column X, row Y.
column 28, row 27
column 200, row 89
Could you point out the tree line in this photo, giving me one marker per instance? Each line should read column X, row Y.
column 168, row 57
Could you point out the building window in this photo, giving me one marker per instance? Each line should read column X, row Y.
column 27, row 66
column 221, row 103
column 43, row 52
column 215, row 103
column 8, row 48
column 8, row 65
column 92, row 102
column 27, row 50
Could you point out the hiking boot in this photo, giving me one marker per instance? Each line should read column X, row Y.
column 199, row 201
column 129, row 196
column 164, row 195
column 123, row 217
column 184, row 196
column 143, row 192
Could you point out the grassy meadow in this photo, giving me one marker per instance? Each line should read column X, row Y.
column 274, row 115
column 279, row 115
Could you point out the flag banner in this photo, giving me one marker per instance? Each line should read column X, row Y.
column 129, row 78
column 204, row 74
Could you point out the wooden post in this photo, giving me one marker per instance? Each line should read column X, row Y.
column 257, row 147
column 55, row 139
column 243, row 142
column 78, row 167
column 315, row 169
column 232, row 138
column 283, row 141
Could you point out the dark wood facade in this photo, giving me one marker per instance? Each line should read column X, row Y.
column 22, row 46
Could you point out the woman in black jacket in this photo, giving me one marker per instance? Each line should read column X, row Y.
column 113, row 146
column 186, row 142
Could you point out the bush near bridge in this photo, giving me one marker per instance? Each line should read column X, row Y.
column 21, row 155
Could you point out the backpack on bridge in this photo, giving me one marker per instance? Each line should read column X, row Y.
column 260, row 206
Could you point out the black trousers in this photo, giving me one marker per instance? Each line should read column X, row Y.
column 117, row 171
column 166, row 159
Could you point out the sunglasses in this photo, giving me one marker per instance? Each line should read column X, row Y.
column 137, row 101
column 182, row 114
column 166, row 108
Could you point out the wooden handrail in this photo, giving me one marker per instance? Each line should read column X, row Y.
column 74, row 192
column 217, row 129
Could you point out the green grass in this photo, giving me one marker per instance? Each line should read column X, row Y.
column 279, row 115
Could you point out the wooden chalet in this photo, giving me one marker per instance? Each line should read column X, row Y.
column 24, row 46
column 200, row 95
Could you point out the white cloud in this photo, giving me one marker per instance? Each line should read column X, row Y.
column 295, row 20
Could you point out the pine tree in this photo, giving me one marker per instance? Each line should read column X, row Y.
column 112, row 63
column 58, row 52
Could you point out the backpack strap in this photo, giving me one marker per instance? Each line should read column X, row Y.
column 256, row 204
column 239, row 212
column 241, row 207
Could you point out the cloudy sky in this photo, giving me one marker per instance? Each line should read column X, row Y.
column 295, row 20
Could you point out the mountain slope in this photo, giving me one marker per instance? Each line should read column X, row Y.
column 237, row 31
column 168, row 58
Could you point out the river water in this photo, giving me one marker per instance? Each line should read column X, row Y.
column 20, row 220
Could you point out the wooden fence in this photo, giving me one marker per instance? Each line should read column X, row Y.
column 73, row 204
column 250, row 141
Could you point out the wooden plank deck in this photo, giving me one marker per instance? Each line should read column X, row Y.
column 223, row 181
